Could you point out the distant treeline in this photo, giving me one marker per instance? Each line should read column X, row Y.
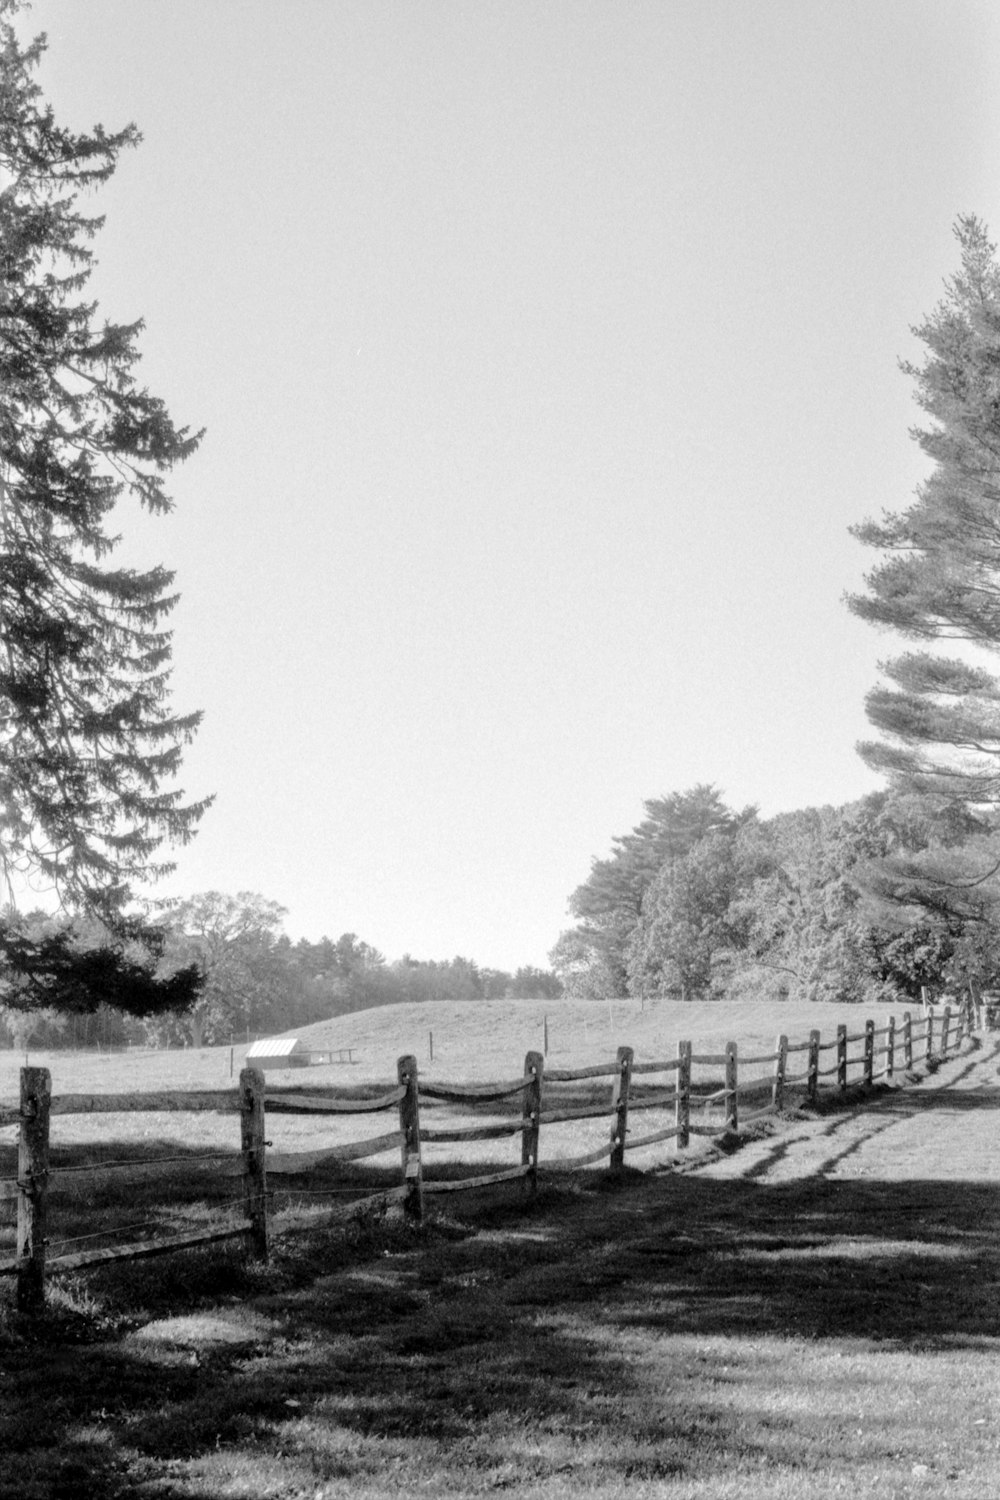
column 258, row 982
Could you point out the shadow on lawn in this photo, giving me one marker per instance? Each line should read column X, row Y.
column 503, row 1342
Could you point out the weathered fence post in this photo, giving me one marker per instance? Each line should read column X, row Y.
column 780, row 1065
column 254, row 1169
column 929, row 1038
column 619, row 1109
column 960, row 1024
column 869, row 1067
column 409, row 1125
column 32, row 1182
column 729, row 1103
column 531, row 1118
column 890, row 1047
column 682, row 1103
column 812, row 1069
column 907, row 1041
column 945, row 1029
column 842, row 1058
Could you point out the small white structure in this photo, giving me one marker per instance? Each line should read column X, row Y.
column 278, row 1052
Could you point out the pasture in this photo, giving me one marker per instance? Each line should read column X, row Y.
column 738, row 1327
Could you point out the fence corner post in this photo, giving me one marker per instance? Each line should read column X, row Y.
column 780, row 1066
column 907, row 1041
column 531, row 1117
column 32, row 1182
column 254, row 1168
column 682, row 1103
column 868, row 1077
column 890, row 1047
column 409, row 1126
column 619, row 1109
column 945, row 1031
column 730, row 1104
column 842, row 1058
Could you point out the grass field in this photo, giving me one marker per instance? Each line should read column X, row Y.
column 472, row 1040
column 679, row 1335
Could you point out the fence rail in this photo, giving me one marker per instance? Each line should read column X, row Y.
column 881, row 1049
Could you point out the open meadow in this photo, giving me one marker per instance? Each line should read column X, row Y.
column 471, row 1042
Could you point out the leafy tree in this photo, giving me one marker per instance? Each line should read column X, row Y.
column 691, row 920
column 233, row 942
column 88, row 741
column 609, row 903
column 580, row 960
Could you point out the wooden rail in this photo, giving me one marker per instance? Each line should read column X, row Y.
column 873, row 1053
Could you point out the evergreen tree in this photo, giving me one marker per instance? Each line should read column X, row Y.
column 940, row 579
column 88, row 741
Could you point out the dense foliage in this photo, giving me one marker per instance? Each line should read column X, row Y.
column 786, row 906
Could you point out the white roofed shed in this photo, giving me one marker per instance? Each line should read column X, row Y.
column 278, row 1052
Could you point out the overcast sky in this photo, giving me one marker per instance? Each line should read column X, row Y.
column 546, row 353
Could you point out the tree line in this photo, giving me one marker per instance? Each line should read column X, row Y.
column 704, row 901
column 253, row 980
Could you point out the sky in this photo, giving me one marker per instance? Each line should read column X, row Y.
column 546, row 352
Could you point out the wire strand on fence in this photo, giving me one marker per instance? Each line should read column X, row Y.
column 118, row 1229
column 463, row 1184
column 145, row 1161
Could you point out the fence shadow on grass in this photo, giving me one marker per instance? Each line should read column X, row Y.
column 516, row 1343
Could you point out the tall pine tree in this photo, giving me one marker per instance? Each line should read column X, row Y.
column 940, row 579
column 89, row 743
column 938, row 582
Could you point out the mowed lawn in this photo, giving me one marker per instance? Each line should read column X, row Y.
column 675, row 1334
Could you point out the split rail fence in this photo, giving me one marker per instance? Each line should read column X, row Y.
column 540, row 1099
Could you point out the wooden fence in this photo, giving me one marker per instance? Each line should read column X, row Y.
column 531, row 1104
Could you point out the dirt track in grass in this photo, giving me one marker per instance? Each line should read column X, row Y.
column 944, row 1128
